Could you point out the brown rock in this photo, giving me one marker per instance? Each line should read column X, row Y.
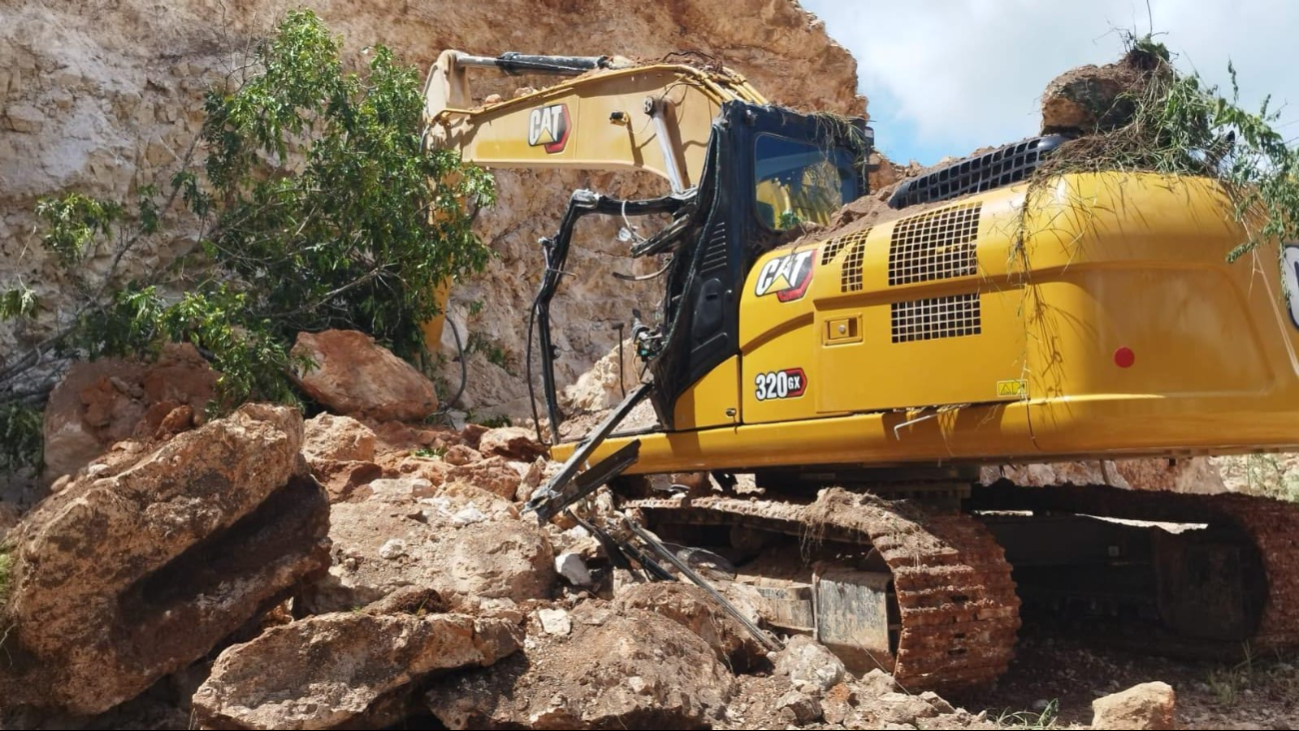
column 355, row 376
column 511, row 442
column 140, row 570
column 1145, row 706
column 342, row 479
column 338, row 439
column 690, row 607
column 176, row 421
column 494, row 475
column 636, row 671
column 460, row 454
column 466, row 544
column 473, row 434
column 105, row 401
column 329, row 669
column 1096, row 98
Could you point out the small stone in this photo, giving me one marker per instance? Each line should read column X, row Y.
column 96, row 469
column 554, row 621
column 1149, row 706
column 468, row 515
column 573, row 569
column 392, row 548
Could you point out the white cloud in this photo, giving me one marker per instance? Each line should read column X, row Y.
column 961, row 74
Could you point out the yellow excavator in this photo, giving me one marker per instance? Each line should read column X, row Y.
column 862, row 378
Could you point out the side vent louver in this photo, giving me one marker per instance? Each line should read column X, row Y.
column 935, row 245
column 937, row 317
column 851, row 279
column 838, row 243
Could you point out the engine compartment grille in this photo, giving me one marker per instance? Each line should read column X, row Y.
column 937, row 317
column 935, row 245
column 838, row 243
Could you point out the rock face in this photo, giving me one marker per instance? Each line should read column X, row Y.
column 97, row 101
column 328, row 669
column 138, row 571
column 637, row 670
column 355, row 376
column 111, row 399
column 463, row 542
column 1145, row 706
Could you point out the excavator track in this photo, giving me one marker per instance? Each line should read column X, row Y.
column 1272, row 526
column 956, row 601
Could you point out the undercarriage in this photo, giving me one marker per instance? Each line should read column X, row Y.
column 929, row 580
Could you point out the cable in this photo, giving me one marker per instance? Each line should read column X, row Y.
column 464, row 367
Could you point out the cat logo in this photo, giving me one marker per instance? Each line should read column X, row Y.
column 548, row 127
column 787, row 276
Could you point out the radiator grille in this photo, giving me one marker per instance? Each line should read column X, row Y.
column 935, row 245
column 851, row 279
column 1003, row 166
column 936, row 317
column 837, row 244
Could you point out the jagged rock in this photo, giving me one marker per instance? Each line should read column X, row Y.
column 355, row 376
column 902, row 708
column 798, row 708
column 606, row 383
column 467, row 544
column 554, row 621
column 511, row 442
column 329, row 669
column 1146, row 706
column 137, row 572
column 1096, row 98
column 461, row 454
column 493, row 474
column 107, row 400
column 636, row 670
column 328, row 437
column 693, row 609
column 473, row 434
column 809, row 666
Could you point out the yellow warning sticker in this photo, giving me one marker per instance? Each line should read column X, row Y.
column 1012, row 389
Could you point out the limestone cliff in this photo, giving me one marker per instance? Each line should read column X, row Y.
column 103, row 95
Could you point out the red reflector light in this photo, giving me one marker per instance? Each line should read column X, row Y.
column 1124, row 357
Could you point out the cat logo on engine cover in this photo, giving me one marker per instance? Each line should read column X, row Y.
column 549, row 126
column 786, row 276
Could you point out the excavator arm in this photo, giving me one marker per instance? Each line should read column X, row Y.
column 739, row 171
column 611, row 115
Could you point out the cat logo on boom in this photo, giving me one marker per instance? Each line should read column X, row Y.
column 548, row 127
column 787, row 276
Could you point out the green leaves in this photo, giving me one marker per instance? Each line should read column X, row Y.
column 317, row 205
column 361, row 231
column 72, row 222
column 21, row 440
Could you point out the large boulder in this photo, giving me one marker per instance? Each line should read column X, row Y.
column 1145, row 706
column 353, row 375
column 330, row 669
column 633, row 670
column 107, row 400
column 693, row 609
column 465, row 543
column 511, row 442
column 139, row 570
column 1090, row 99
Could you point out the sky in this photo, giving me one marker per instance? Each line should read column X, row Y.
column 946, row 77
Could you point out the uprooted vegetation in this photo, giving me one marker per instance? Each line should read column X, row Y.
column 316, row 205
column 1144, row 114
